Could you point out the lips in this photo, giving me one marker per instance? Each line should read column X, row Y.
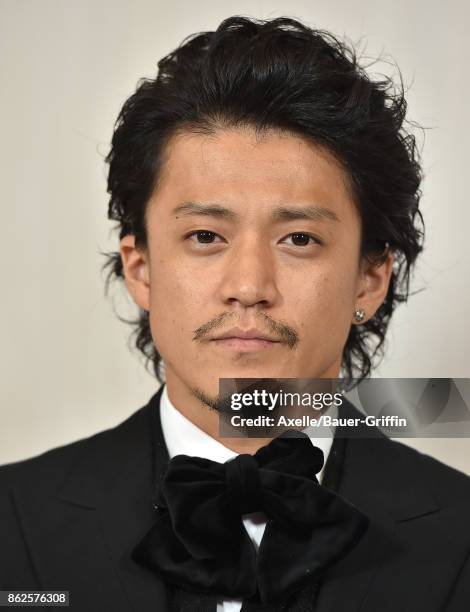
column 244, row 340
column 248, row 334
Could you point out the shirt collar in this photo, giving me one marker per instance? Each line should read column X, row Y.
column 183, row 437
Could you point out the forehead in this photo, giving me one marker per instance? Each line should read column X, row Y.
column 251, row 172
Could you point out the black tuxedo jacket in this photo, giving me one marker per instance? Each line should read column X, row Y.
column 70, row 518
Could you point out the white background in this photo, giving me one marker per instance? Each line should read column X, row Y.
column 66, row 68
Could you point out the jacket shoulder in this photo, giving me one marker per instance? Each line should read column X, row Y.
column 50, row 467
column 449, row 485
column 53, row 462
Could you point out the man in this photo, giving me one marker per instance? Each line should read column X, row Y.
column 267, row 197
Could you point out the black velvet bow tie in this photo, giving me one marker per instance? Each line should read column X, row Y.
column 199, row 541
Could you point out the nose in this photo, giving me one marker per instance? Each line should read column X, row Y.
column 249, row 275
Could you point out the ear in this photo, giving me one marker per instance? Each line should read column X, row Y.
column 135, row 264
column 373, row 284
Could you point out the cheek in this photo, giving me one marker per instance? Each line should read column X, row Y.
column 322, row 303
column 178, row 297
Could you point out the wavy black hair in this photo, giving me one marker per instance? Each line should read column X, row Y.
column 278, row 74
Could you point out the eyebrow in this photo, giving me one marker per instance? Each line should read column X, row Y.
column 281, row 213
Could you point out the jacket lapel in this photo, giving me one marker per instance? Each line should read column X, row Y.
column 374, row 479
column 81, row 540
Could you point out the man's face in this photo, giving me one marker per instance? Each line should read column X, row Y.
column 259, row 234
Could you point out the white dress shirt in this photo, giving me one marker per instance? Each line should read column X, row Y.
column 183, row 437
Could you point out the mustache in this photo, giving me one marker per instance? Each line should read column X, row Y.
column 283, row 332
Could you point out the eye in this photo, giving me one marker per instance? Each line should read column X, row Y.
column 302, row 239
column 203, row 236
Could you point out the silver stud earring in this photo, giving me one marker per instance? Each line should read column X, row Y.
column 359, row 314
